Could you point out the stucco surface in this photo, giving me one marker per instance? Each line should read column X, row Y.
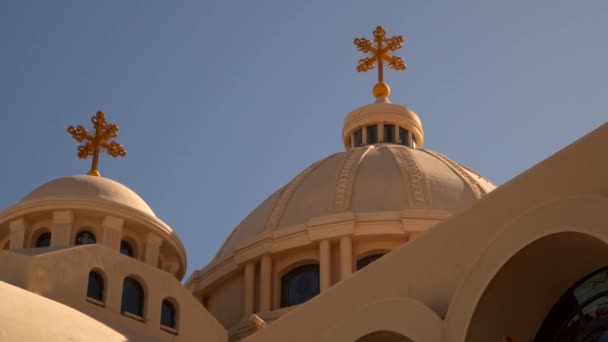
column 88, row 188
column 26, row 316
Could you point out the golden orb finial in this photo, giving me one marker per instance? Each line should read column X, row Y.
column 100, row 140
column 379, row 54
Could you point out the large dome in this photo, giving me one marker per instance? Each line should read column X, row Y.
column 368, row 179
column 88, row 189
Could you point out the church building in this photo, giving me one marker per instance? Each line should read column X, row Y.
column 385, row 241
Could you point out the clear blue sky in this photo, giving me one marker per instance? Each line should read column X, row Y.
column 222, row 102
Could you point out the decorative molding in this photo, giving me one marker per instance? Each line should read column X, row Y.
column 344, row 185
column 418, row 186
column 281, row 203
column 461, row 172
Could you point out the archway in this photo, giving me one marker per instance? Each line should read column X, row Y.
column 521, row 294
column 384, row 336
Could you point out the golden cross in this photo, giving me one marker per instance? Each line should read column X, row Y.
column 380, row 54
column 100, row 140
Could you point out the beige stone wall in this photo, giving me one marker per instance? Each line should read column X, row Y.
column 62, row 275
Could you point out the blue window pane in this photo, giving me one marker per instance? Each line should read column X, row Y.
column 403, row 137
column 132, row 297
column 168, row 314
column 95, row 288
column 389, row 133
column 372, row 135
column 299, row 285
column 126, row 248
column 44, row 240
column 359, row 138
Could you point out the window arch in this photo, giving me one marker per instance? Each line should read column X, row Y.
column 362, row 262
column 43, row 240
column 168, row 314
column 126, row 248
column 581, row 314
column 132, row 297
column 85, row 237
column 299, row 285
column 95, row 289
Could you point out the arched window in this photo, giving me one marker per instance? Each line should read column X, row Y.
column 85, row 237
column 132, row 297
column 361, row 263
column 299, row 285
column 581, row 314
column 168, row 314
column 43, row 240
column 126, row 248
column 96, row 286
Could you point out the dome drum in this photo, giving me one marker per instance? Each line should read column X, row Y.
column 379, row 115
column 110, row 213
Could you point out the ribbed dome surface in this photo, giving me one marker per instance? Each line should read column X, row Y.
column 377, row 178
column 88, row 188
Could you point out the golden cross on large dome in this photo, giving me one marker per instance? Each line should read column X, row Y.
column 380, row 54
column 104, row 131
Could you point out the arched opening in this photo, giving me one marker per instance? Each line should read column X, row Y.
column 127, row 249
column 95, row 289
column 521, row 294
column 168, row 314
column 43, row 240
column 366, row 260
column 85, row 237
column 299, row 285
column 581, row 314
column 132, row 298
column 383, row 336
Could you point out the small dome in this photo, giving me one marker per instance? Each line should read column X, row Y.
column 88, row 188
column 368, row 179
column 27, row 316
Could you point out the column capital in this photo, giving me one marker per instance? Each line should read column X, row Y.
column 152, row 239
column 17, row 224
column 114, row 223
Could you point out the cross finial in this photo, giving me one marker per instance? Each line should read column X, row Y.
column 104, row 131
column 380, row 54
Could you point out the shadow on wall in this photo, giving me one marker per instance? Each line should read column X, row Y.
column 524, row 290
column 384, row 336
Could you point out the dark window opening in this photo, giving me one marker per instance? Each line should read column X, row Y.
column 168, row 316
column 95, row 287
column 372, row 135
column 403, row 137
column 126, row 248
column 581, row 314
column 359, row 138
column 389, row 133
column 132, row 297
column 85, row 237
column 43, row 240
column 361, row 263
column 299, row 285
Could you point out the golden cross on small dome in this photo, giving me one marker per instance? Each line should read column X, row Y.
column 380, row 54
column 104, row 131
